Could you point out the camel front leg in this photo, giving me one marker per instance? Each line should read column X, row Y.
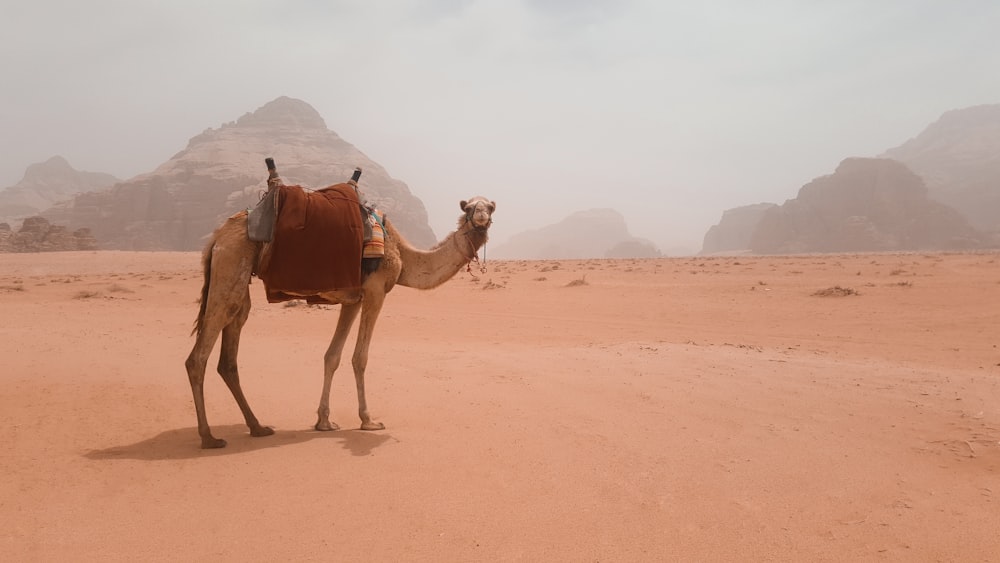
column 370, row 312
column 331, row 360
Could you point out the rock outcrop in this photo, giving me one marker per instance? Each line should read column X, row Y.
column 734, row 230
column 45, row 184
column 868, row 204
column 38, row 235
column 597, row 233
column 958, row 156
column 222, row 171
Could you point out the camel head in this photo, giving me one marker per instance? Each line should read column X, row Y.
column 478, row 213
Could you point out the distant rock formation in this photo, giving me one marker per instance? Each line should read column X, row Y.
column 222, row 171
column 868, row 204
column 597, row 233
column 734, row 230
column 958, row 156
column 38, row 235
column 45, row 184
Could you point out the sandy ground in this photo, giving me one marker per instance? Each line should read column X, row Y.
column 688, row 409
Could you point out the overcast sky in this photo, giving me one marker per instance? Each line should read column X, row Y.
column 669, row 112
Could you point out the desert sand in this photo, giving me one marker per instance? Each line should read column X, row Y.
column 685, row 409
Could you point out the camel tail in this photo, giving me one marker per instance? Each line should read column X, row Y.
column 206, row 264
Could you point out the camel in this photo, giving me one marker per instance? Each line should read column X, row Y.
column 229, row 260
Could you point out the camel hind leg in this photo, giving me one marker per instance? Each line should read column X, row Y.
column 195, row 364
column 225, row 305
column 230, row 373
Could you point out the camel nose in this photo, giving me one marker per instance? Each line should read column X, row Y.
column 481, row 217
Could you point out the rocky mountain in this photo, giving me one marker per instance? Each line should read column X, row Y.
column 733, row 232
column 46, row 183
column 958, row 159
column 38, row 235
column 222, row 171
column 958, row 156
column 597, row 233
column 867, row 204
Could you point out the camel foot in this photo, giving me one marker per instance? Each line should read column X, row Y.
column 261, row 431
column 372, row 426
column 326, row 426
column 211, row 443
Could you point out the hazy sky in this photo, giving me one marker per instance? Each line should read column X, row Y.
column 669, row 112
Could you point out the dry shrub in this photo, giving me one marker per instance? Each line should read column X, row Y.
column 115, row 288
column 836, row 291
column 86, row 294
column 578, row 282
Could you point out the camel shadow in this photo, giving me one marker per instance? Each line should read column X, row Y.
column 183, row 443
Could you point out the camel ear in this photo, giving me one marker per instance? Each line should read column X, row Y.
column 462, row 204
column 493, row 207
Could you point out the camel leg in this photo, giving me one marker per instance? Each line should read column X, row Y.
column 371, row 309
column 229, row 372
column 195, row 364
column 225, row 299
column 331, row 360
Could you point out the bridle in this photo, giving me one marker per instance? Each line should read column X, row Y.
column 470, row 213
column 472, row 255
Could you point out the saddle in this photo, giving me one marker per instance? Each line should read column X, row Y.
column 315, row 241
column 317, row 244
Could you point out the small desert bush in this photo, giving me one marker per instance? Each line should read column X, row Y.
column 115, row 288
column 836, row 291
column 86, row 294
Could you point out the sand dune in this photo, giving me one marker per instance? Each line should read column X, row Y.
column 687, row 409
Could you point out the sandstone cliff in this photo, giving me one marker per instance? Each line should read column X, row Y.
column 222, row 171
column 45, row 184
column 867, row 204
column 733, row 232
column 597, row 233
column 958, row 156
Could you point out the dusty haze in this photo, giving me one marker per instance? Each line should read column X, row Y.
column 669, row 113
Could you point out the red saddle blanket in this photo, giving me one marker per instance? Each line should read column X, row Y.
column 317, row 244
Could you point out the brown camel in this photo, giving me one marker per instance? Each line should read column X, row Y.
column 229, row 260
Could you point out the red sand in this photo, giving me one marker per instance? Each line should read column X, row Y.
column 677, row 409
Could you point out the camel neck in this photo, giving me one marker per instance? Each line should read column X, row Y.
column 426, row 269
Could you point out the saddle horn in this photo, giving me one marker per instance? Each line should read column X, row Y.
column 272, row 173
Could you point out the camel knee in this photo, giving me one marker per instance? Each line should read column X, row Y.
column 228, row 371
column 331, row 361
column 195, row 366
column 360, row 363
